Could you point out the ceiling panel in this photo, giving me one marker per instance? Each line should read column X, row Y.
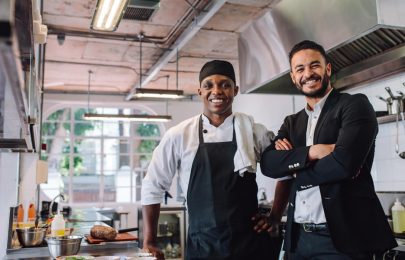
column 69, row 8
column 77, row 74
column 214, row 44
column 232, row 17
column 105, row 52
column 70, row 49
column 149, row 54
column 114, row 57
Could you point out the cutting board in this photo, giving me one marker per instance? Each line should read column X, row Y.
column 119, row 237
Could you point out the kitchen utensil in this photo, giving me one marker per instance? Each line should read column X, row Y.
column 63, row 246
column 36, row 220
column 401, row 111
column 397, row 129
column 388, row 89
column 124, row 230
column 31, row 236
column 388, row 102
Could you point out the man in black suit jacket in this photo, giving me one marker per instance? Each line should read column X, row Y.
column 322, row 157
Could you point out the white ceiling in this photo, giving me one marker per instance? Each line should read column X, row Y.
column 114, row 57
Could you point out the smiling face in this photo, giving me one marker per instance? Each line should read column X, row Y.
column 310, row 73
column 217, row 93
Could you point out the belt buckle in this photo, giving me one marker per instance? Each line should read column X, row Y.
column 307, row 227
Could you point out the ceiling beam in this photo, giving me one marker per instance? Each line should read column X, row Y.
column 183, row 39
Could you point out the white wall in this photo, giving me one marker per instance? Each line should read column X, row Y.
column 8, row 193
column 9, row 163
column 269, row 110
column 28, row 191
column 388, row 169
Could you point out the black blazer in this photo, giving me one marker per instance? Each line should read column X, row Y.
column 355, row 218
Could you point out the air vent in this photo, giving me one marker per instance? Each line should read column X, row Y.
column 141, row 10
column 371, row 44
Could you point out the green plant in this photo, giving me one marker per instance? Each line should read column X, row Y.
column 51, row 128
column 148, row 130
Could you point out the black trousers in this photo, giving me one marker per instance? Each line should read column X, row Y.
column 318, row 245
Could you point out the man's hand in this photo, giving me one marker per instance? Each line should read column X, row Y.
column 318, row 151
column 283, row 144
column 264, row 223
column 154, row 250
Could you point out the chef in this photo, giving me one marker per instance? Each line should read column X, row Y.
column 215, row 155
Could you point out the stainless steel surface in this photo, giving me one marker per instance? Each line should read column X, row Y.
column 364, row 39
column 401, row 107
column 63, row 246
column 30, row 236
column 119, row 248
column 21, row 139
column 397, row 130
column 389, row 103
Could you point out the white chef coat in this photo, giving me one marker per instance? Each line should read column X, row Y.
column 178, row 147
column 308, row 202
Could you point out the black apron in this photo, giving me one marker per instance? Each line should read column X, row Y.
column 220, row 206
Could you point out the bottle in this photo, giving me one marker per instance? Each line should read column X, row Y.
column 398, row 217
column 31, row 212
column 58, row 226
column 20, row 213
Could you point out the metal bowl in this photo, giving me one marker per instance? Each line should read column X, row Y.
column 31, row 236
column 63, row 246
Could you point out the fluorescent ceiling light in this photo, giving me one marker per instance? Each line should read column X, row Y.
column 158, row 93
column 137, row 118
column 108, row 14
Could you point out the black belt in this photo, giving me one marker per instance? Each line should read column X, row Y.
column 312, row 227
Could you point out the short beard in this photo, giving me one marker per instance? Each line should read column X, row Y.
column 320, row 92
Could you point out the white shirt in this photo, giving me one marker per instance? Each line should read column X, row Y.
column 308, row 203
column 178, row 147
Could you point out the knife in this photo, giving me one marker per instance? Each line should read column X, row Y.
column 124, row 230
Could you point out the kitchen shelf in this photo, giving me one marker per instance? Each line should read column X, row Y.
column 172, row 222
column 388, row 119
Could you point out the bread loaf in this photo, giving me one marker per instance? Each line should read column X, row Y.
column 103, row 232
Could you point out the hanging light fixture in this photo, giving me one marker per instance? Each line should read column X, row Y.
column 148, row 93
column 108, row 14
column 120, row 117
column 137, row 118
column 159, row 93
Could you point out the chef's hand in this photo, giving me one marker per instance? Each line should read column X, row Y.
column 154, row 250
column 263, row 223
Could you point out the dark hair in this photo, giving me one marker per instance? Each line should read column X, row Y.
column 305, row 45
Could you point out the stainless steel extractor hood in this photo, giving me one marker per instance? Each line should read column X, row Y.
column 364, row 39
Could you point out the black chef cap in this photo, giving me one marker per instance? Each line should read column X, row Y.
column 219, row 67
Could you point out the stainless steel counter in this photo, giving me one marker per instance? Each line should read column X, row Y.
column 126, row 248
column 81, row 221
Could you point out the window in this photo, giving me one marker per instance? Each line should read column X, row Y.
column 95, row 161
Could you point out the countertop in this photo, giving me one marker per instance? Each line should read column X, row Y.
column 81, row 220
column 127, row 248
